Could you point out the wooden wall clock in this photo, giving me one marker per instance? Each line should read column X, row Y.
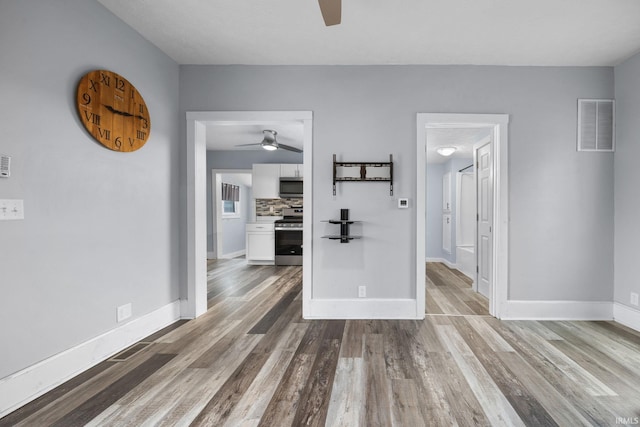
column 113, row 111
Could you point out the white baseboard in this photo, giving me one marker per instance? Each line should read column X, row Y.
column 233, row 254
column 557, row 310
column 442, row 260
column 26, row 385
column 626, row 315
column 362, row 308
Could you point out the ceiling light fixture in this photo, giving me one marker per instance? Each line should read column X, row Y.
column 446, row 151
column 269, row 142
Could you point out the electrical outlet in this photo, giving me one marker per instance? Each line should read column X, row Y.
column 634, row 298
column 362, row 291
column 123, row 312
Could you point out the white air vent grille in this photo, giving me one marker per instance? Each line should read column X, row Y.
column 596, row 125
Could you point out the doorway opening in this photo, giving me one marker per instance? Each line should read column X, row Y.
column 479, row 246
column 230, row 212
column 194, row 294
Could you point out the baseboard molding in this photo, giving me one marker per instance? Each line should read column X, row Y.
column 557, row 310
column 26, row 385
column 626, row 316
column 362, row 308
column 444, row 261
column 234, row 254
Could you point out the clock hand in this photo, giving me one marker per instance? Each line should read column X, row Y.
column 113, row 110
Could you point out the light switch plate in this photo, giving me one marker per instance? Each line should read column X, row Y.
column 11, row 209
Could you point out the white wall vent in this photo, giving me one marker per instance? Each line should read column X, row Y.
column 596, row 125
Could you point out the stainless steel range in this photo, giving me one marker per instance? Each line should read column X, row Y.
column 288, row 238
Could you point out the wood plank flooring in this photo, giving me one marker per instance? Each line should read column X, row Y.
column 449, row 292
column 252, row 360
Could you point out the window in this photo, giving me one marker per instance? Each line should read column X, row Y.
column 230, row 201
column 229, row 207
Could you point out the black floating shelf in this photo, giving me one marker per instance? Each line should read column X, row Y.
column 344, row 222
column 332, row 237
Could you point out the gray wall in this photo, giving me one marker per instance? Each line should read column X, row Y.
column 240, row 160
column 433, row 226
column 101, row 227
column 561, row 201
column 627, row 197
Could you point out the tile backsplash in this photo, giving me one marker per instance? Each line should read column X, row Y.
column 273, row 207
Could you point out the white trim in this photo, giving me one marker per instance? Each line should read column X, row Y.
column 442, row 260
column 499, row 123
column 362, row 309
column 28, row 384
column 233, row 254
column 626, row 316
column 558, row 310
column 195, row 302
column 211, row 255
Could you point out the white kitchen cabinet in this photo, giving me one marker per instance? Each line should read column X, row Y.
column 290, row 170
column 446, row 192
column 260, row 243
column 266, row 181
column 446, row 233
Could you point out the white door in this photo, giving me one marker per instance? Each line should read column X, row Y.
column 446, row 192
column 484, row 205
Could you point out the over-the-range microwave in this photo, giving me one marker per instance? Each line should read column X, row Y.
column 291, row 187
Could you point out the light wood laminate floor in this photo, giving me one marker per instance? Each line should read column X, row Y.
column 251, row 360
column 449, row 292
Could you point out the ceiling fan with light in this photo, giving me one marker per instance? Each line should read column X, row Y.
column 331, row 11
column 270, row 143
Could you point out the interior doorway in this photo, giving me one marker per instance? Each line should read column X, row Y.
column 229, row 217
column 194, row 294
column 496, row 259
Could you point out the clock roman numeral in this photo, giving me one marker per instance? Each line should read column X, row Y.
column 140, row 134
column 141, row 108
column 119, row 84
column 92, row 117
column 106, row 134
column 104, row 79
column 92, row 86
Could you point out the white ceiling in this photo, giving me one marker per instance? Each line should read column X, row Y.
column 481, row 32
column 460, row 138
column 227, row 136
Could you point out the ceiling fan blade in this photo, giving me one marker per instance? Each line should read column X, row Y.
column 247, row 145
column 331, row 11
column 288, row 147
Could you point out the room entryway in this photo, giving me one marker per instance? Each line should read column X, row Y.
column 469, row 152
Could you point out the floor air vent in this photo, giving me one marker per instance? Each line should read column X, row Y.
column 596, row 125
column 126, row 354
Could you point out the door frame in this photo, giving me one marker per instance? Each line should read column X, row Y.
column 193, row 299
column 499, row 123
column 216, row 207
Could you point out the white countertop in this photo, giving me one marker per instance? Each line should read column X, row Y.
column 263, row 219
